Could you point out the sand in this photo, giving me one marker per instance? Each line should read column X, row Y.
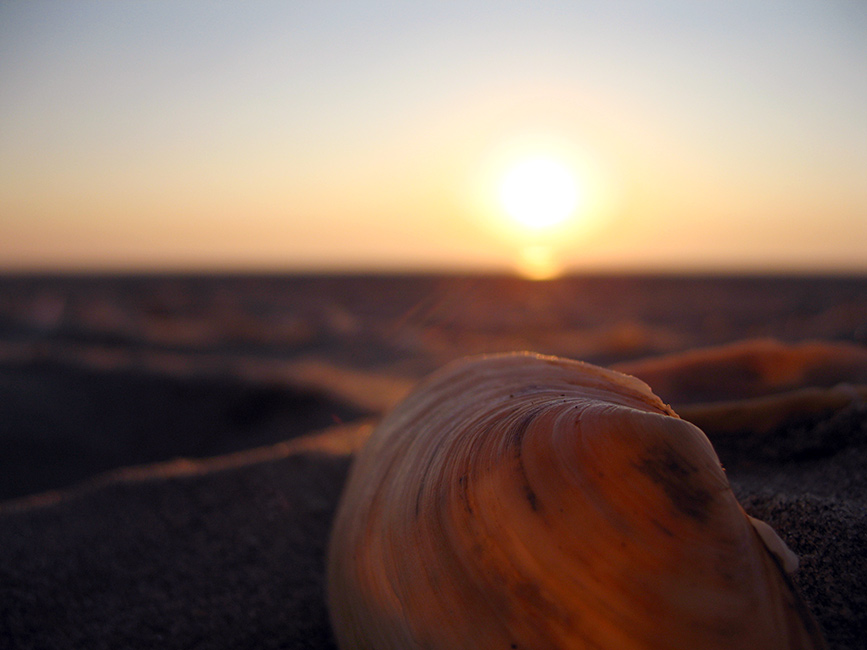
column 175, row 494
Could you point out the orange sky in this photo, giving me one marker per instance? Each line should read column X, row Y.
column 362, row 136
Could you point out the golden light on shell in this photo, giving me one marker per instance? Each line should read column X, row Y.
column 523, row 501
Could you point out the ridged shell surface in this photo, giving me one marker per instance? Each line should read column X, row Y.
column 529, row 502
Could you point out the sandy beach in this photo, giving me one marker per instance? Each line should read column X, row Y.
column 174, row 448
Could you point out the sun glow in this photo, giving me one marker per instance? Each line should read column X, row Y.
column 538, row 263
column 539, row 192
column 539, row 197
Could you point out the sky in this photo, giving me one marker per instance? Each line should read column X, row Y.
column 377, row 136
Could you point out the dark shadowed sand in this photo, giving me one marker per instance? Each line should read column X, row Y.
column 174, row 448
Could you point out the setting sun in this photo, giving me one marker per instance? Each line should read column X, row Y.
column 539, row 195
column 539, row 192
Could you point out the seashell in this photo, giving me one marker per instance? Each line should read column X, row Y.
column 521, row 501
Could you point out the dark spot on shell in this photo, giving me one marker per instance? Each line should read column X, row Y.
column 531, row 497
column 666, row 531
column 464, row 495
column 520, row 429
column 679, row 480
column 515, row 441
column 418, row 498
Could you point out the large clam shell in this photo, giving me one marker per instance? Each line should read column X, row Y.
column 521, row 501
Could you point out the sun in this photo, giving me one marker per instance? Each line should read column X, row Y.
column 539, row 192
column 539, row 198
